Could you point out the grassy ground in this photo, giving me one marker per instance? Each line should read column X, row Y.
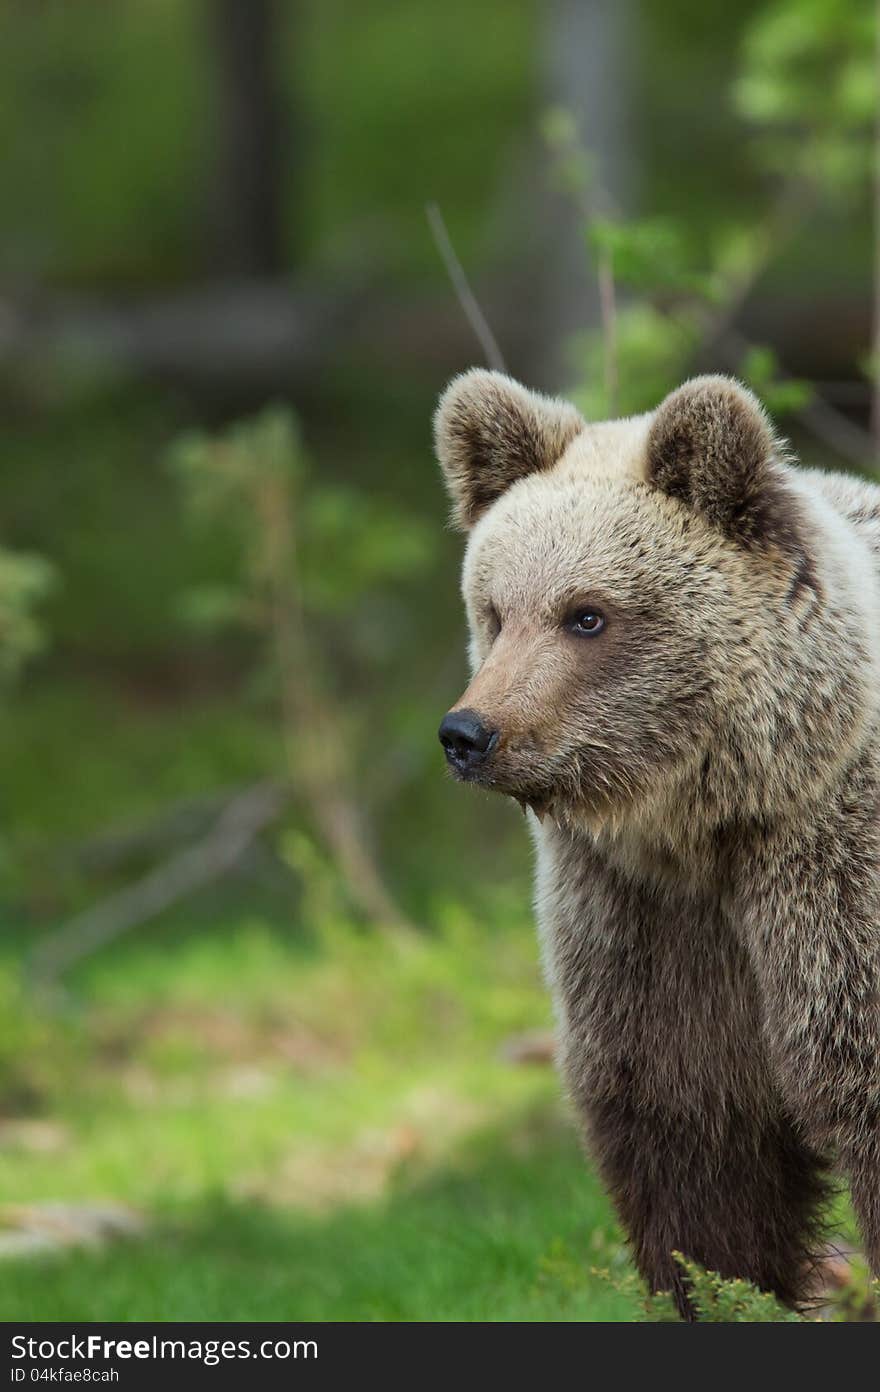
column 314, row 1129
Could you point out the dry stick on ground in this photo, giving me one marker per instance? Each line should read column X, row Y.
column 460, row 284
column 313, row 731
column 233, row 833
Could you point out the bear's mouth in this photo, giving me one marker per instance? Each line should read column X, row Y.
column 539, row 805
column 529, row 796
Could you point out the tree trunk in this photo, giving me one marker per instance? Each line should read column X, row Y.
column 588, row 69
column 246, row 226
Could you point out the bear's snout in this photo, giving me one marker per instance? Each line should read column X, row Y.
column 466, row 740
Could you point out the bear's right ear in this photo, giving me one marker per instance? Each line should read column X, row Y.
column 489, row 431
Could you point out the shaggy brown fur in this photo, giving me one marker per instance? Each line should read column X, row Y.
column 705, row 773
column 712, row 446
column 493, row 434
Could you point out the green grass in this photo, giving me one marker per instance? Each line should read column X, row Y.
column 314, row 1126
column 490, row 1235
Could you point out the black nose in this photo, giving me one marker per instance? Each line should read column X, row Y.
column 466, row 739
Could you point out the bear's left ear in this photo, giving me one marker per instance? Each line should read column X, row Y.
column 711, row 446
column 489, row 431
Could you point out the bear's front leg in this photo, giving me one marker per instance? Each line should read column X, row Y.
column 737, row 1191
column 808, row 897
column 662, row 1050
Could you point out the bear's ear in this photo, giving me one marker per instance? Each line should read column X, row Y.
column 711, row 446
column 489, row 431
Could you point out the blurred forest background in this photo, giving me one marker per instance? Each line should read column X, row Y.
column 272, row 1033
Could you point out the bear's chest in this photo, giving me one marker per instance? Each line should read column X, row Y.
column 650, row 985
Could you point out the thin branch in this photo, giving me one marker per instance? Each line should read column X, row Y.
column 837, row 431
column 180, row 821
column 313, row 729
column 824, row 421
column 608, row 310
column 783, row 220
column 233, row 833
column 717, row 324
column 466, row 297
column 595, row 202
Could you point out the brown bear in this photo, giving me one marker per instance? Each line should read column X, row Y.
column 675, row 645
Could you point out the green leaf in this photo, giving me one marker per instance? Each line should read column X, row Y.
column 25, row 582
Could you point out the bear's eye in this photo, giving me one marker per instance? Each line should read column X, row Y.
column 586, row 623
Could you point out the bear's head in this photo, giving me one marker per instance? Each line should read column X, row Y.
column 637, row 593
